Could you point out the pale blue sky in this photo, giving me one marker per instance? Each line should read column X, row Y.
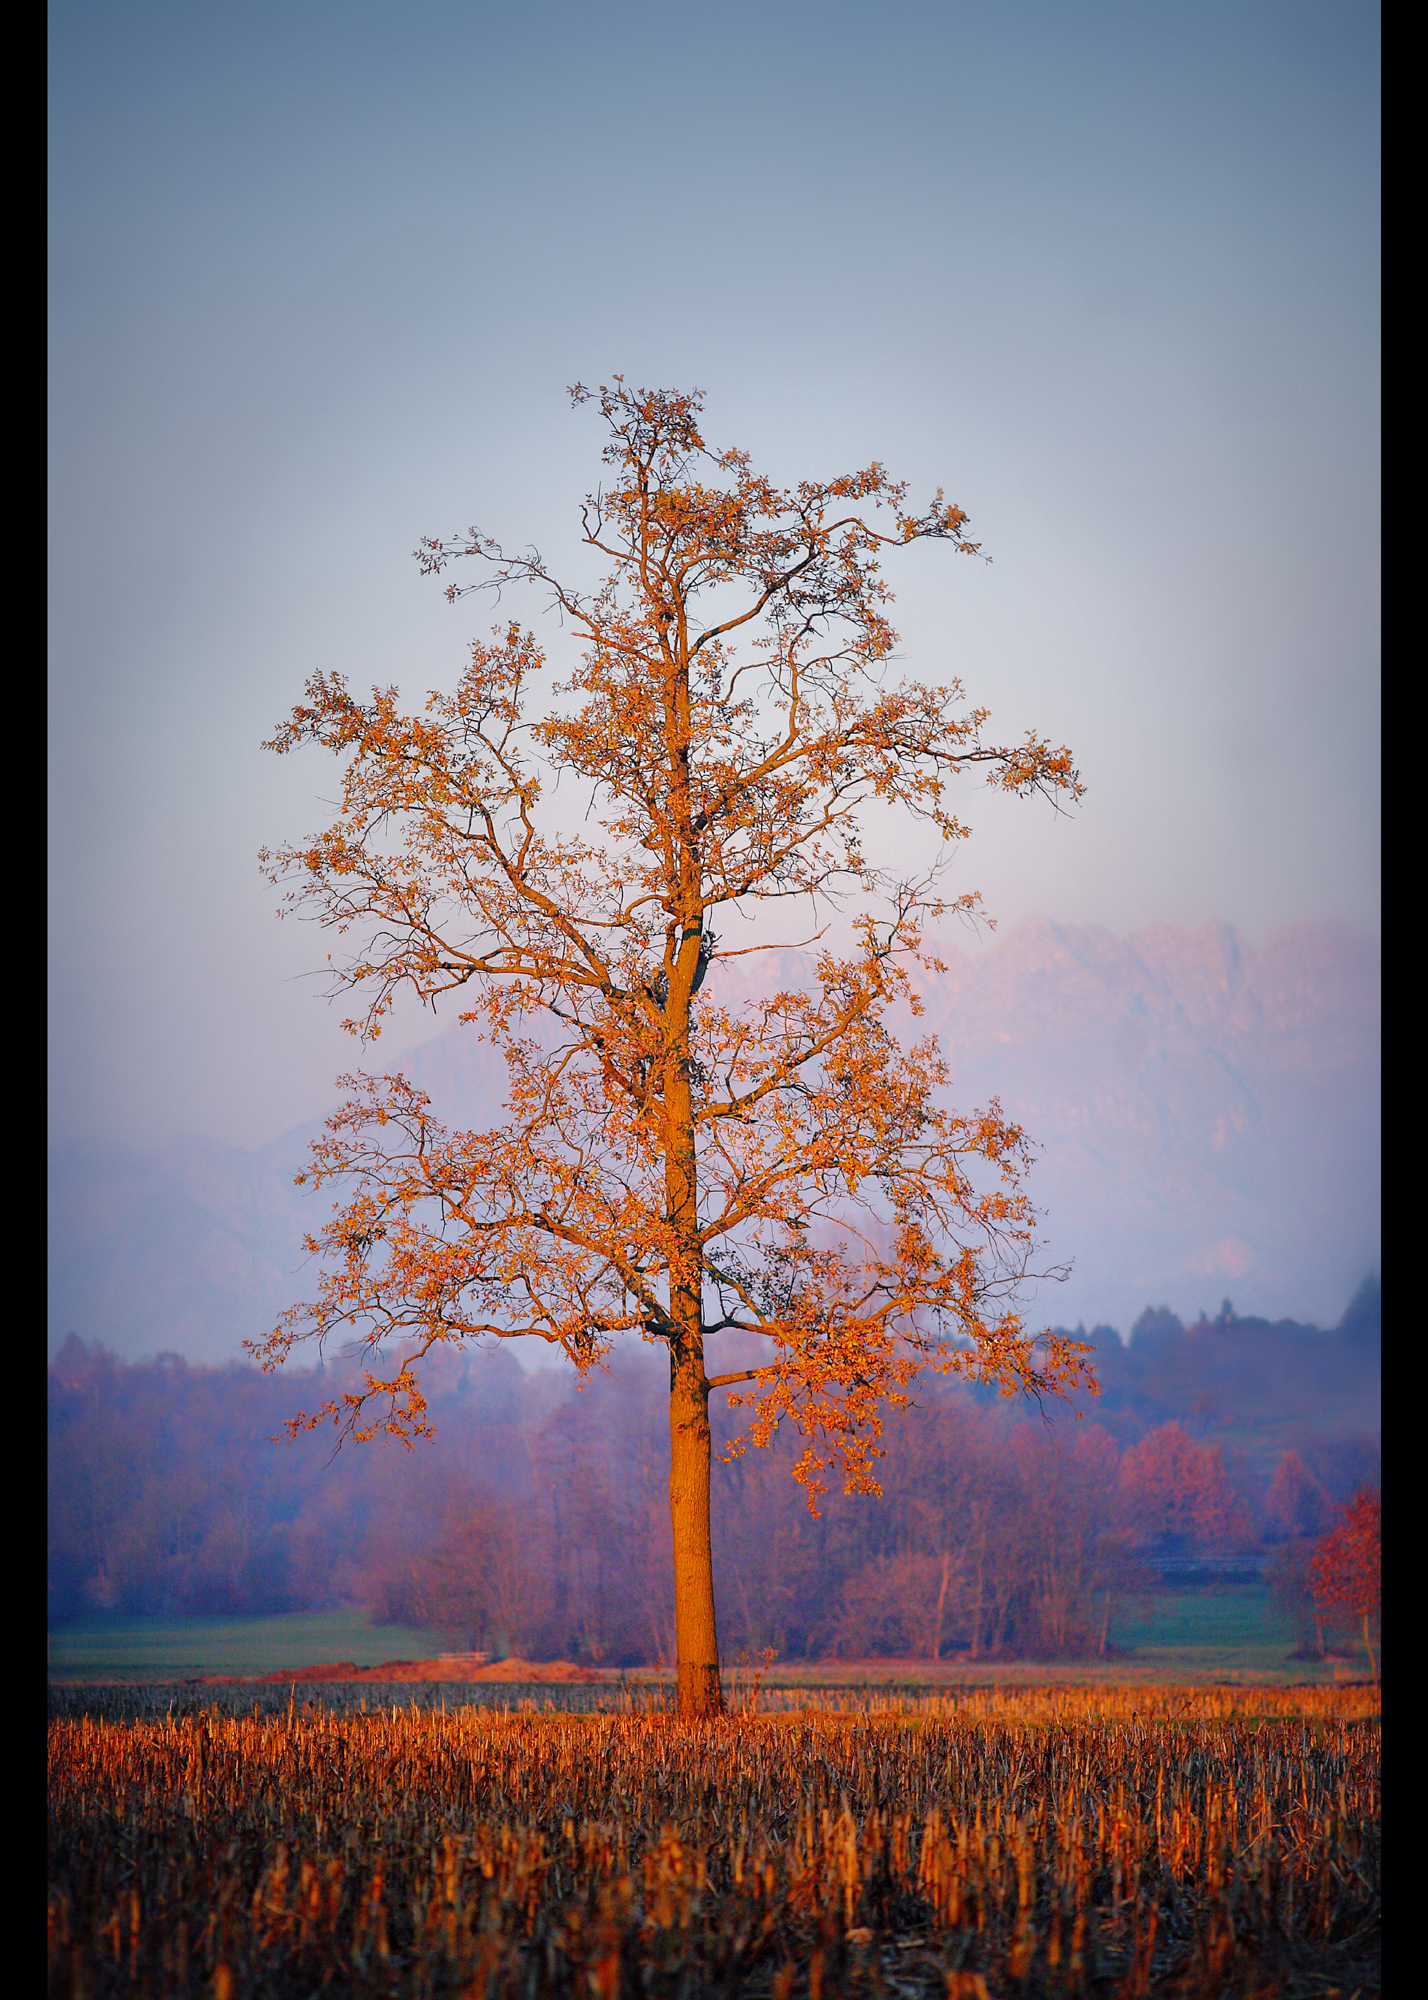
column 321, row 275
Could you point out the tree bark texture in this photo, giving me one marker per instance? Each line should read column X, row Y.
column 696, row 1640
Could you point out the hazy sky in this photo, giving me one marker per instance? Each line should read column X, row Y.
column 322, row 274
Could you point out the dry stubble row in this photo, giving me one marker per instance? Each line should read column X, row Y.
column 1082, row 1841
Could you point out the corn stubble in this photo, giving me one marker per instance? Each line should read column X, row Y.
column 1123, row 1841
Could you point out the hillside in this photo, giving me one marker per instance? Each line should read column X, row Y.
column 1206, row 1113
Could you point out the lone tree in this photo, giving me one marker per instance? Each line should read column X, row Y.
column 670, row 1166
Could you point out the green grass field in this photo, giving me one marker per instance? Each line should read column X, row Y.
column 179, row 1648
column 1229, row 1633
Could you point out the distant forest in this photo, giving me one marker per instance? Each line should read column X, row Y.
column 536, row 1521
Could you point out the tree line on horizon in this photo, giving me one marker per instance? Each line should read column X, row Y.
column 535, row 1521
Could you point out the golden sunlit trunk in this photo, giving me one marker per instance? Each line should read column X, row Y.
column 696, row 1641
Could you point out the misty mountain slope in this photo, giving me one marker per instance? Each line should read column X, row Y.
column 1205, row 1113
column 192, row 1250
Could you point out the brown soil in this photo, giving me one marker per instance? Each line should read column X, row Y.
column 419, row 1670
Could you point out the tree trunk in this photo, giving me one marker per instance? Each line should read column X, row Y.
column 977, row 1607
column 696, row 1641
column 941, row 1600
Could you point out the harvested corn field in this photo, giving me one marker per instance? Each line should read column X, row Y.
column 1099, row 1841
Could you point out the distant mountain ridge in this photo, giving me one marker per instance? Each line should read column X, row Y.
column 1206, row 1113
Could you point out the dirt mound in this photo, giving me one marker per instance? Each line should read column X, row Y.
column 454, row 1669
column 330, row 1670
column 534, row 1670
